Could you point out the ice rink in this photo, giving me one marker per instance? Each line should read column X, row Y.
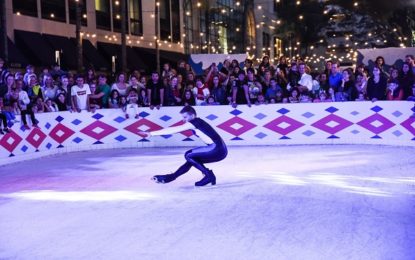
column 280, row 202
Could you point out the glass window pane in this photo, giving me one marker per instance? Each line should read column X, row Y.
column 53, row 10
column 25, row 7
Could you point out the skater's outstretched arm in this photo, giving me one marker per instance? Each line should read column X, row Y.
column 170, row 130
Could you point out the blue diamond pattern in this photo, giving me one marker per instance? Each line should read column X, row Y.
column 260, row 116
column 260, row 135
column 76, row 122
column 376, row 109
column 23, row 128
column 211, row 117
column 354, row 113
column 47, row 126
column 120, row 138
column 97, row 116
column 143, row 114
column 77, row 140
column 59, row 119
column 308, row 133
column 308, row 115
column 283, row 111
column 413, row 109
column 24, row 148
column 49, row 145
column 119, row 119
column 236, row 112
column 397, row 113
column 397, row 133
column 331, row 109
column 165, row 118
column 355, row 132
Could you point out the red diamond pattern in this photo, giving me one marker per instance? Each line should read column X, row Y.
column 98, row 130
column 10, row 141
column 284, row 125
column 36, row 137
column 325, row 124
column 60, row 133
column 236, row 126
column 368, row 123
column 408, row 124
column 142, row 125
column 187, row 133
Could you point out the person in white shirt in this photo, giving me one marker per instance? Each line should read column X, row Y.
column 80, row 95
column 306, row 81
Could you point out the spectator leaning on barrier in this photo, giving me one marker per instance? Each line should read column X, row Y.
column 394, row 90
column 80, row 95
column 305, row 84
column 240, row 92
column 200, row 91
column 103, row 91
column 376, row 85
column 155, row 91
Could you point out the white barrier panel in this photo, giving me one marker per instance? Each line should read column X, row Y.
column 389, row 123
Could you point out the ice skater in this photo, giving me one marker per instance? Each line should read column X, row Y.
column 214, row 151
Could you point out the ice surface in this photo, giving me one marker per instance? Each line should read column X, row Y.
column 285, row 202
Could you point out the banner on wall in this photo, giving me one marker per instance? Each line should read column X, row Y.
column 393, row 56
column 201, row 62
column 385, row 123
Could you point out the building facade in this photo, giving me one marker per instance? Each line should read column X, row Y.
column 184, row 27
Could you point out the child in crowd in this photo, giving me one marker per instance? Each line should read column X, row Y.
column 132, row 106
column 114, row 99
column 50, row 106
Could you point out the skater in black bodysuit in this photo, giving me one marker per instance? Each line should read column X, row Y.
column 214, row 151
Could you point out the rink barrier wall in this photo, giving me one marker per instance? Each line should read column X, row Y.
column 379, row 123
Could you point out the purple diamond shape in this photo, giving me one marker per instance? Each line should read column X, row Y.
column 98, row 130
column 326, row 124
column 77, row 140
column 331, row 109
column 260, row 116
column 397, row 113
column 97, row 116
column 354, row 113
column 49, row 145
column 308, row 133
column 397, row 133
column 236, row 126
column 165, row 118
column 376, row 109
column 284, row 125
column 76, row 122
column 413, row 109
column 24, row 148
column 143, row 114
column 236, row 112
column 308, row 115
column 355, row 132
column 408, row 125
column 260, row 135
column 283, row 111
column 369, row 124
column 47, row 126
column 119, row 119
column 120, row 138
column 211, row 117
column 59, row 119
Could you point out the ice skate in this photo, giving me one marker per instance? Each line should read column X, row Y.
column 164, row 178
column 209, row 178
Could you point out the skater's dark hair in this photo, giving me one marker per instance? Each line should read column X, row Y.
column 189, row 110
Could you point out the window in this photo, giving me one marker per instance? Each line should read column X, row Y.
column 116, row 16
column 72, row 12
column 103, row 15
column 136, row 20
column 266, row 43
column 169, row 20
column 25, row 7
column 53, row 10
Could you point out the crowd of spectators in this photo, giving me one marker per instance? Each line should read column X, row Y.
column 52, row 90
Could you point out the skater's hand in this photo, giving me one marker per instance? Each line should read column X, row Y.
column 145, row 134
